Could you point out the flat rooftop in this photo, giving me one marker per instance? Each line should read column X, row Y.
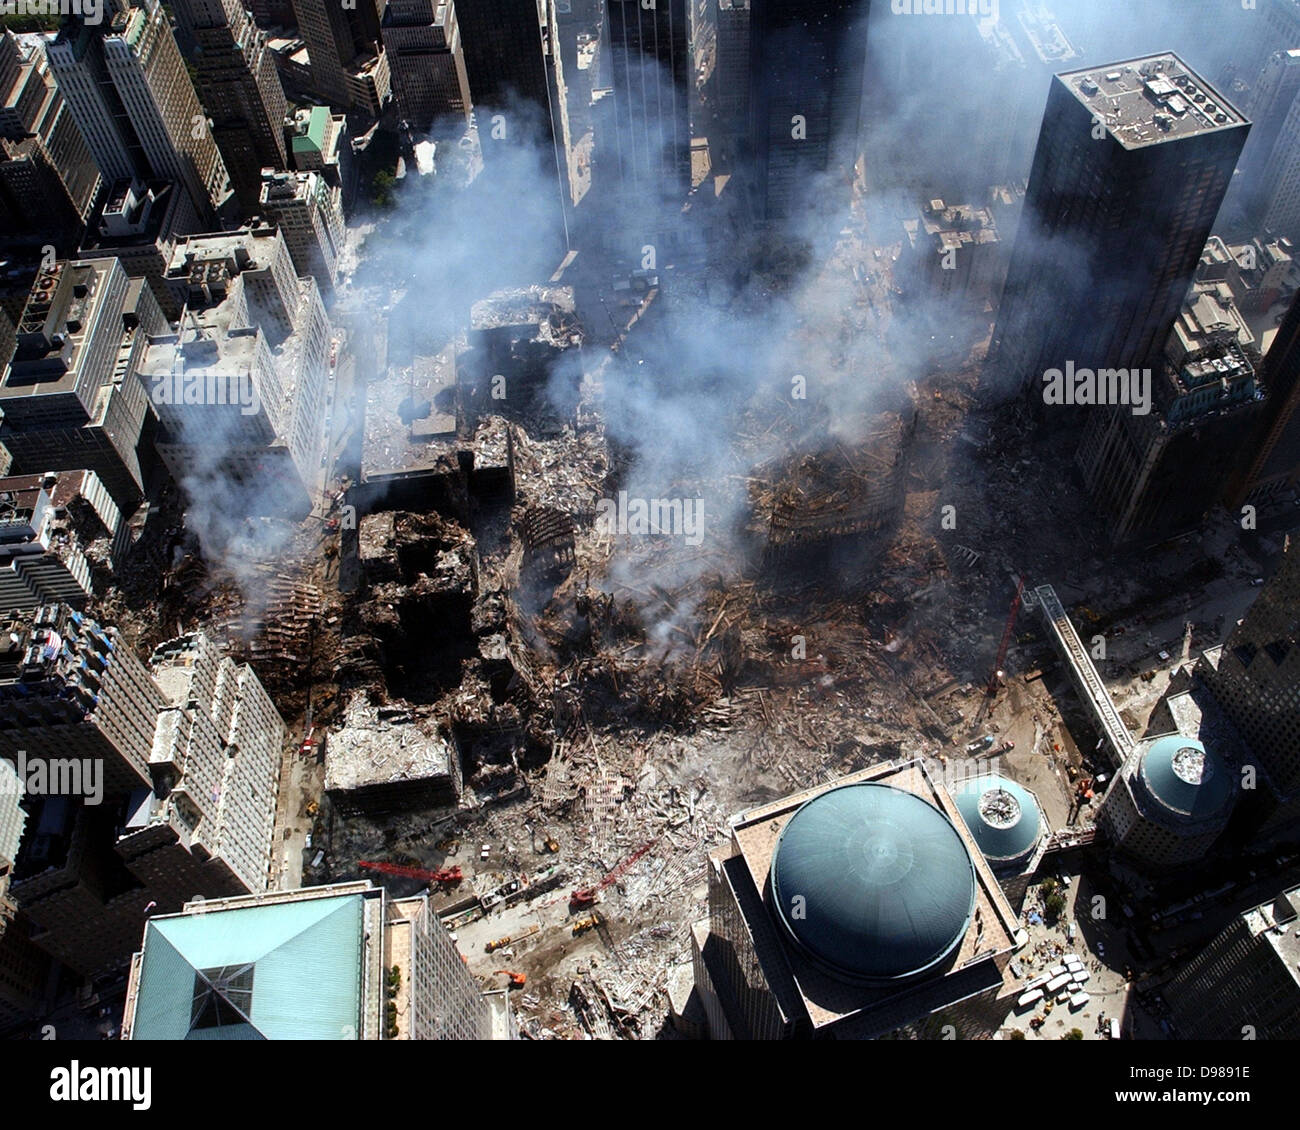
column 1152, row 99
column 411, row 416
column 1279, row 921
column 383, row 746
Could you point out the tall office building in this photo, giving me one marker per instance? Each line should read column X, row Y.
column 1131, row 166
column 70, row 397
column 425, row 57
column 24, row 968
column 1267, row 102
column 731, row 68
column 1169, row 802
column 57, row 532
column 851, row 911
column 257, row 336
column 1255, row 680
column 506, row 51
column 1139, row 466
column 340, row 962
column 129, row 90
column 190, row 754
column 649, row 149
column 344, row 44
column 1245, row 984
column 48, row 179
column 309, row 212
column 807, row 66
column 240, row 90
column 1272, row 457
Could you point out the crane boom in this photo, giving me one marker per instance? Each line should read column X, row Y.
column 445, row 875
column 588, row 894
column 1006, row 637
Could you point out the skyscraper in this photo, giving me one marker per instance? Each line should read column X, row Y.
column 344, row 44
column 1269, row 163
column 803, row 941
column 190, row 753
column 423, row 43
column 253, row 967
column 129, row 91
column 1246, row 982
column 309, row 212
column 505, row 58
column 1139, row 465
column 1272, row 457
column 240, row 90
column 807, row 68
column 1255, row 679
column 1132, row 163
column 650, row 146
column 70, row 398
column 48, row 179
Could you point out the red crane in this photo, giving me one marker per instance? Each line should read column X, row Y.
column 587, row 895
column 1006, row 638
column 444, row 875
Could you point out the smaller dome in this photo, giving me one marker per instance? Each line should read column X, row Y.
column 1186, row 777
column 1003, row 817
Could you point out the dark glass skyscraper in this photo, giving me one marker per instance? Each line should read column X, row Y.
column 650, row 74
column 1132, row 163
column 807, row 69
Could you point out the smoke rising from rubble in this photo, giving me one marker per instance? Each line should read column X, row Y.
column 676, row 394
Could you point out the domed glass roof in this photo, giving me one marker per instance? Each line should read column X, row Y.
column 1003, row 818
column 1183, row 775
column 873, row 883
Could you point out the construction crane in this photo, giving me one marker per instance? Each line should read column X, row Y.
column 587, row 895
column 996, row 677
column 446, row 876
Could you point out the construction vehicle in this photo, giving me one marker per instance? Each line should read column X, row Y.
column 446, row 876
column 552, row 844
column 585, row 924
column 500, row 943
column 586, row 896
column 313, row 807
column 517, row 980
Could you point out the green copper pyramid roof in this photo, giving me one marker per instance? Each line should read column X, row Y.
column 283, row 971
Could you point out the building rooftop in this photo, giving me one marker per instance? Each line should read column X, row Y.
column 1279, row 921
column 1186, row 777
column 62, row 310
column 1003, row 816
column 1152, row 99
column 873, row 883
column 381, row 746
column 287, row 970
column 312, row 138
column 835, row 1000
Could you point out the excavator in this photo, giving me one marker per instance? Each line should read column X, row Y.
column 517, row 980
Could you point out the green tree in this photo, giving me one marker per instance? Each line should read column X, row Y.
column 1073, row 1034
column 1054, row 905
